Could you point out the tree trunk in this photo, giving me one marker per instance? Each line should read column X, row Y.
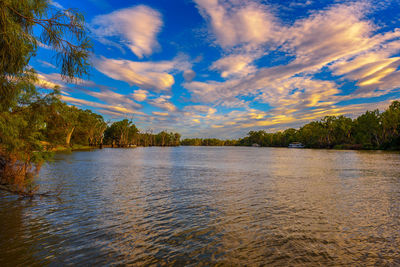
column 68, row 138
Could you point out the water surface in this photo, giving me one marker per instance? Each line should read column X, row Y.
column 209, row 206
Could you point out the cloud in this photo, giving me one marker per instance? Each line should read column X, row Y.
column 200, row 109
column 299, row 93
column 44, row 82
column 114, row 98
column 339, row 33
column 339, row 42
column 137, row 27
column 139, row 95
column 274, row 73
column 328, row 35
column 248, row 23
column 112, row 109
column 234, row 65
column 189, row 75
column 376, row 70
column 160, row 113
column 238, row 123
column 46, row 64
column 155, row 76
column 116, row 103
column 164, row 103
column 56, row 5
column 49, row 81
column 300, row 3
column 211, row 91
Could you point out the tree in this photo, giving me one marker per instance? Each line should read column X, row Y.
column 367, row 129
column 21, row 124
column 391, row 125
column 121, row 133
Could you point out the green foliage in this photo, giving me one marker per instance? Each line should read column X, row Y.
column 26, row 117
column 121, row 133
column 124, row 133
column 89, row 128
column 367, row 129
column 207, row 142
column 62, row 30
column 67, row 124
column 371, row 130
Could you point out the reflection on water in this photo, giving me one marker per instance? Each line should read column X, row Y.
column 209, row 205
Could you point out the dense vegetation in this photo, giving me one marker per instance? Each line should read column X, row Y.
column 371, row 130
column 125, row 134
column 24, row 112
column 207, row 142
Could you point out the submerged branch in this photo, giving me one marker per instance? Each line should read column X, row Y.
column 31, row 193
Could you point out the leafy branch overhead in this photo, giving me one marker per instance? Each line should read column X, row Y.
column 62, row 30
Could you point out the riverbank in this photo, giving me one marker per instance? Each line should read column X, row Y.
column 72, row 148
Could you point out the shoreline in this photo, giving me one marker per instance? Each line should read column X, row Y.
column 83, row 148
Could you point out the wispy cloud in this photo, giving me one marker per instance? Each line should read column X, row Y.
column 112, row 109
column 335, row 38
column 236, row 23
column 56, row 4
column 46, row 64
column 114, row 98
column 155, row 76
column 264, row 71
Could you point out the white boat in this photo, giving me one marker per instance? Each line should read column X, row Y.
column 296, row 145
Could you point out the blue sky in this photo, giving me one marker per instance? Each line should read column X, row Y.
column 215, row 68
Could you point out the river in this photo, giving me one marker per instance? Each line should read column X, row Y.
column 209, row 206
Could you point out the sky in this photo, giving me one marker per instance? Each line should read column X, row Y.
column 221, row 68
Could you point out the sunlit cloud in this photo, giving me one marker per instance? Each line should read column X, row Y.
column 326, row 37
column 234, row 65
column 44, row 82
column 200, row 109
column 117, row 109
column 140, row 95
column 155, row 76
column 247, row 23
column 114, row 98
column 251, row 68
column 157, row 113
column 164, row 103
column 137, row 26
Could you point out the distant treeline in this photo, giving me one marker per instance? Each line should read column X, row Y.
column 207, row 142
column 371, row 130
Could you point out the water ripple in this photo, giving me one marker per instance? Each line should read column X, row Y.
column 189, row 206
